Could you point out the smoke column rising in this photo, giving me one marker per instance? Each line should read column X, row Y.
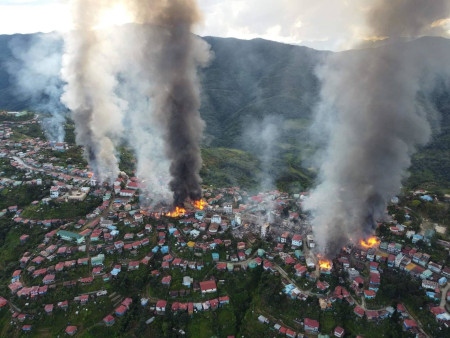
column 145, row 137
column 175, row 100
column 89, row 68
column 374, row 121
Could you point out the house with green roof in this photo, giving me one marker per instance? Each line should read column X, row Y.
column 70, row 236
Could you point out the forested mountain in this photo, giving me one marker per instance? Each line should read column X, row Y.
column 258, row 97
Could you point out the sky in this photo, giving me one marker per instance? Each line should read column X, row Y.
column 320, row 24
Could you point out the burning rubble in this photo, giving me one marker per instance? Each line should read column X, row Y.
column 180, row 211
column 370, row 242
column 325, row 265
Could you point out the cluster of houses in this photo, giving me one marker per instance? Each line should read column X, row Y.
column 98, row 236
column 162, row 306
column 310, row 326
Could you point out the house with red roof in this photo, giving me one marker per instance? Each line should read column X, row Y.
column 3, row 302
column 311, row 325
column 26, row 328
column 214, row 303
column 339, row 332
column 109, row 320
column 359, row 311
column 24, row 238
column 120, row 310
column 409, row 324
column 97, row 270
column 208, row 286
column 369, row 294
column 161, row 307
column 16, row 275
column 437, row 310
column 166, row 280
column 48, row 308
column 83, row 299
column 402, row 310
column 300, row 270
column 289, row 260
column 63, row 305
column 48, row 279
column 127, row 302
column 133, row 265
column 372, row 314
column 297, row 240
column 86, row 280
column 290, row 333
column 357, row 283
column 175, row 306
column 59, row 267
column 71, row 330
column 224, row 300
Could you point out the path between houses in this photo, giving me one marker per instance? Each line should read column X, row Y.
column 444, row 296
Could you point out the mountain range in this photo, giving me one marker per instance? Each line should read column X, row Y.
column 258, row 101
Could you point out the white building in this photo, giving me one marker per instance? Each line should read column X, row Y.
column 54, row 191
column 310, row 241
column 297, row 240
column 228, row 209
column 216, row 219
column 237, row 219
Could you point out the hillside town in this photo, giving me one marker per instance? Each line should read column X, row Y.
column 69, row 266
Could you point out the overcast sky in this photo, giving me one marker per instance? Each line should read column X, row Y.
column 321, row 24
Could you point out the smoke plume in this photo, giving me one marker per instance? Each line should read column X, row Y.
column 35, row 69
column 145, row 136
column 261, row 138
column 175, row 96
column 374, row 112
column 89, row 69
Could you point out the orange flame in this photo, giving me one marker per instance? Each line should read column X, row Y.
column 200, row 204
column 369, row 242
column 324, row 264
column 178, row 212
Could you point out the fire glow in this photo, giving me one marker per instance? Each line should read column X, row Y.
column 178, row 212
column 324, row 264
column 369, row 242
column 200, row 204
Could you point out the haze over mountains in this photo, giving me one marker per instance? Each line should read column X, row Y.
column 258, row 96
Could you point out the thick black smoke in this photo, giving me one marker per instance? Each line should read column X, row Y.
column 375, row 111
column 175, row 55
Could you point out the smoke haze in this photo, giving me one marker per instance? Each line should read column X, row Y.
column 375, row 114
column 35, row 70
column 261, row 138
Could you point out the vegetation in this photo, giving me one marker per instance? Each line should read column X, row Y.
column 54, row 210
column 22, row 195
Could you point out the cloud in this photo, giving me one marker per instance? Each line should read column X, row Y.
column 322, row 24
column 33, row 16
column 327, row 24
